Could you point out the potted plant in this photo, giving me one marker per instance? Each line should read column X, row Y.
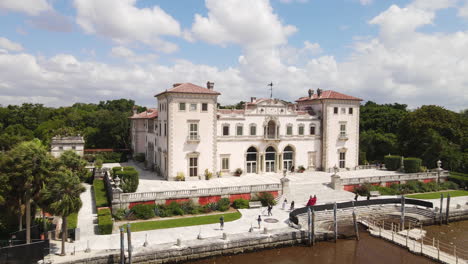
column 208, row 174
column 180, row 176
column 300, row 169
column 238, row 172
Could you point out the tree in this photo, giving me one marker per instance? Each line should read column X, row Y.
column 74, row 162
column 63, row 197
column 27, row 166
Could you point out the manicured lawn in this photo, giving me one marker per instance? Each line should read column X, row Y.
column 435, row 195
column 100, row 193
column 189, row 221
column 72, row 221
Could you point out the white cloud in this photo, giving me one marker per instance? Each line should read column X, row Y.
column 10, row 45
column 463, row 10
column 30, row 7
column 292, row 1
column 130, row 56
column 123, row 22
column 251, row 24
column 366, row 2
column 53, row 21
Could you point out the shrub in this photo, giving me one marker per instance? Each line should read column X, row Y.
column 180, row 176
column 392, row 163
column 105, row 223
column 362, row 158
column 266, row 198
column 129, row 168
column 431, row 187
column 120, row 214
column 98, row 163
column 111, row 157
column 100, row 196
column 300, row 169
column 412, row 165
column 189, row 207
column 423, row 169
column 208, row 174
column 240, row 203
column 224, row 204
column 449, row 185
column 129, row 180
column 115, row 170
column 140, row 157
column 175, row 209
column 208, row 208
column 460, row 180
column 144, row 211
column 238, row 172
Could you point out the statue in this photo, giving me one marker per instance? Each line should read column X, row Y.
column 311, row 93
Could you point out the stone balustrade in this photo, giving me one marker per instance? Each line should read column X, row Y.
column 344, row 183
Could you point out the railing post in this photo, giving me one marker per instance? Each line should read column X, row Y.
column 448, row 209
column 441, row 205
column 438, row 250
column 335, row 221
column 356, row 230
column 407, row 236
column 403, row 210
column 392, row 232
column 433, row 241
column 422, row 244
column 309, row 226
column 313, row 226
column 122, row 246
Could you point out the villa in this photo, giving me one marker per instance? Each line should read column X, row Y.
column 187, row 134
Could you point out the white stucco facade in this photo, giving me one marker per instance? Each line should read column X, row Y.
column 60, row 144
column 187, row 134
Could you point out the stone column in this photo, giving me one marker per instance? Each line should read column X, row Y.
column 285, row 186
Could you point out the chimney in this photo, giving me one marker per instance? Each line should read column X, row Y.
column 134, row 109
column 210, row 85
column 319, row 92
column 175, row 85
column 252, row 99
column 311, row 93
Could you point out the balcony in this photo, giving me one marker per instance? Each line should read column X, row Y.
column 270, row 137
column 343, row 136
column 193, row 139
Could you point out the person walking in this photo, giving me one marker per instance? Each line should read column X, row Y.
column 292, row 206
column 285, row 202
column 270, row 207
column 221, row 222
column 259, row 220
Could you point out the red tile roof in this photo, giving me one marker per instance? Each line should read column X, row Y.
column 189, row 88
column 148, row 114
column 329, row 94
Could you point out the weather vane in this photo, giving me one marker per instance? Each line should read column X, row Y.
column 271, row 89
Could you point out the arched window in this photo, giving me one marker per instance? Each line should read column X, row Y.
column 270, row 158
column 271, row 129
column 288, row 158
column 251, row 160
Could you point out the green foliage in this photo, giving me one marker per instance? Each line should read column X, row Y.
column 98, row 163
column 140, row 157
column 175, row 209
column 208, row 208
column 266, row 198
column 239, row 105
column 363, row 190
column 362, row 158
column 100, row 196
column 144, row 211
column 190, row 208
column 129, row 179
column 114, row 170
column 392, row 163
column 111, row 157
column 223, row 204
column 412, row 165
column 377, row 144
column 208, row 174
column 105, row 223
column 75, row 163
column 436, row 195
column 72, row 220
column 460, row 180
column 120, row 214
column 240, row 203
column 238, row 171
column 180, row 176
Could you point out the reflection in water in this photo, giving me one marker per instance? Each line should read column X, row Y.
column 367, row 250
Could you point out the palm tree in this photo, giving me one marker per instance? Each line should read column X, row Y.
column 63, row 193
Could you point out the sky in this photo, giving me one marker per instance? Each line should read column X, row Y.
column 58, row 52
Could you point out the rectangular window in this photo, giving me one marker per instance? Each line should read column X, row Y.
column 253, row 130
column 165, row 129
column 160, row 134
column 343, row 110
column 193, row 131
column 193, row 107
column 301, row 130
column 225, row 164
column 60, row 148
column 239, row 130
column 343, row 130
column 335, row 110
column 204, row 107
column 289, row 130
column 226, row 130
column 342, row 160
column 312, row 130
column 181, row 106
column 73, row 147
column 193, row 167
column 350, row 110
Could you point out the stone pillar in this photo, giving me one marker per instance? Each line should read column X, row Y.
column 285, row 186
column 116, row 202
column 336, row 182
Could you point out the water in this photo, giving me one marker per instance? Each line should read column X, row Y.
column 367, row 250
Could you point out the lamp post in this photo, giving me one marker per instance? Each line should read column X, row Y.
column 335, row 169
column 284, row 173
column 439, row 164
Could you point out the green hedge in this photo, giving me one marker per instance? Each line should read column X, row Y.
column 100, row 196
column 224, row 204
column 105, row 223
column 129, row 180
column 392, row 162
column 115, row 169
column 460, row 180
column 144, row 211
column 240, row 203
column 412, row 165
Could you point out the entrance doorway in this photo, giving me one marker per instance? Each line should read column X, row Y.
column 270, row 155
column 251, row 159
column 288, row 160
